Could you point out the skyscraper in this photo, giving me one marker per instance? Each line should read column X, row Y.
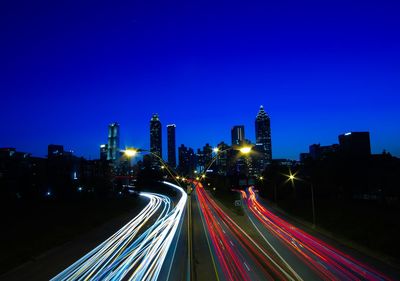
column 171, row 145
column 113, row 142
column 237, row 134
column 263, row 138
column 103, row 152
column 155, row 135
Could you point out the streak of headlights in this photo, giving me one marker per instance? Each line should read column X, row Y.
column 129, row 254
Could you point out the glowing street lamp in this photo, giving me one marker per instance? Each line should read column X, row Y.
column 130, row 152
column 245, row 149
column 216, row 149
column 292, row 177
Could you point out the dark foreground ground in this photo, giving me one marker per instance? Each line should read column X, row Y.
column 32, row 230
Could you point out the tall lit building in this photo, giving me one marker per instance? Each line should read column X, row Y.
column 103, row 152
column 155, row 135
column 171, row 145
column 237, row 134
column 113, row 142
column 263, row 138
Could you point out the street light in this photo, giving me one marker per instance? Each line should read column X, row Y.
column 245, row 149
column 292, row 177
column 130, row 152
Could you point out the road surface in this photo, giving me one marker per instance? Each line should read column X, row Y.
column 311, row 257
column 130, row 254
column 235, row 255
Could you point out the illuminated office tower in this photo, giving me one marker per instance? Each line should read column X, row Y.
column 155, row 138
column 263, row 138
column 113, row 142
column 171, row 145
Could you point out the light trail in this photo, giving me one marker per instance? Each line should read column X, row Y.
column 130, row 254
column 234, row 258
column 327, row 261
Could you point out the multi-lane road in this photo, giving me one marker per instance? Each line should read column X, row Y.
column 193, row 237
column 310, row 257
column 135, row 253
column 285, row 252
column 236, row 256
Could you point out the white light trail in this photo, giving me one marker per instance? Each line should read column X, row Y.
column 128, row 255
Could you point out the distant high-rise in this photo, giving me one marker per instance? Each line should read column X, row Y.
column 103, row 151
column 171, row 145
column 155, row 135
column 237, row 134
column 222, row 159
column 113, row 142
column 187, row 161
column 207, row 151
column 263, row 138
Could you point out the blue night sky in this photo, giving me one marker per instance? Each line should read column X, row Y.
column 68, row 68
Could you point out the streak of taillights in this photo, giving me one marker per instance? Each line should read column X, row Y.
column 229, row 260
column 326, row 260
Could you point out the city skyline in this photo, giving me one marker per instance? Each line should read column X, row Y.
column 316, row 81
column 155, row 119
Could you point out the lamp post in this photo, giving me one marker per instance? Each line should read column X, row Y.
column 246, row 149
column 292, row 177
column 131, row 152
column 243, row 150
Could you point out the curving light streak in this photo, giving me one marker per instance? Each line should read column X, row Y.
column 329, row 262
column 133, row 253
column 231, row 260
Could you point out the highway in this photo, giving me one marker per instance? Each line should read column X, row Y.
column 312, row 258
column 235, row 255
column 136, row 252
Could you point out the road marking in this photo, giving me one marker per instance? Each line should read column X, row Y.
column 245, row 264
column 276, row 252
column 208, row 241
column 173, row 256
